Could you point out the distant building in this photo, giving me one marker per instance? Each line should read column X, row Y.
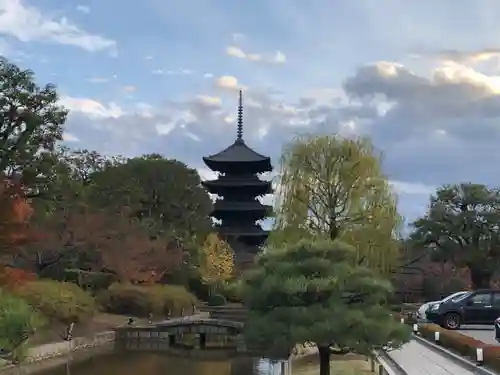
column 238, row 186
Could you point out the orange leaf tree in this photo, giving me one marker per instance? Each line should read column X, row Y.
column 15, row 214
column 102, row 241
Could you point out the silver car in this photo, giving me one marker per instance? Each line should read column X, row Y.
column 428, row 305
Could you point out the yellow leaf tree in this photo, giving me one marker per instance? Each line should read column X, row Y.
column 217, row 266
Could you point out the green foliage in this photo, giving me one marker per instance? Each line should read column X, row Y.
column 333, row 188
column 315, row 292
column 164, row 193
column 18, row 321
column 461, row 226
column 138, row 300
column 233, row 291
column 91, row 281
column 217, row 300
column 31, row 124
column 58, row 301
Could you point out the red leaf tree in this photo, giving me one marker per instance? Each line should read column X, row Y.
column 15, row 215
column 109, row 242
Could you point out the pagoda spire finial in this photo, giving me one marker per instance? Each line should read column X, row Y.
column 239, row 133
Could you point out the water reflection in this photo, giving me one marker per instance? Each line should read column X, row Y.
column 161, row 364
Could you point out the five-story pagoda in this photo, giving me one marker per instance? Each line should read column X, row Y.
column 238, row 187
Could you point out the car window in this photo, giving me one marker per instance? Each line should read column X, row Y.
column 481, row 299
column 454, row 296
column 496, row 299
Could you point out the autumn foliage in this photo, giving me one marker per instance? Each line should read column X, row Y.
column 15, row 214
column 11, row 278
column 111, row 243
column 218, row 264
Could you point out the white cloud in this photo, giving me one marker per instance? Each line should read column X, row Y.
column 27, row 24
column 68, row 137
column 278, row 57
column 98, row 80
column 236, row 52
column 83, row 9
column 401, row 187
column 92, row 108
column 227, row 82
column 212, row 101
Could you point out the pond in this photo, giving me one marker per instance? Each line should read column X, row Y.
column 133, row 363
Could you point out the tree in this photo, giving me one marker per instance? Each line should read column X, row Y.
column 15, row 214
column 462, row 226
column 315, row 292
column 102, row 241
column 333, row 188
column 218, row 265
column 165, row 194
column 31, row 124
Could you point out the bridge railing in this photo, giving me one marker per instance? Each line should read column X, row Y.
column 382, row 364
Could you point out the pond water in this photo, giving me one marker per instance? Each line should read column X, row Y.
column 160, row 364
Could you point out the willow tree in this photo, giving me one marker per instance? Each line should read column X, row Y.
column 333, row 188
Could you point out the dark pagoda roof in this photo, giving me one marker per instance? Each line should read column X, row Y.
column 239, row 153
column 225, row 183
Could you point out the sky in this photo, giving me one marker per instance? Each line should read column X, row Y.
column 421, row 78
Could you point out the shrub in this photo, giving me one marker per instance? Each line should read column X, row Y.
column 233, row 291
column 139, row 300
column 59, row 301
column 18, row 321
column 90, row 281
column 216, row 300
column 13, row 277
column 463, row 345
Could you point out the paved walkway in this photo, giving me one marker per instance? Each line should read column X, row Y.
column 418, row 359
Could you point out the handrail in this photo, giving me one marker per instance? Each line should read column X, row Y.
column 387, row 365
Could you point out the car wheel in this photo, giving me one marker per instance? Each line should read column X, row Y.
column 451, row 321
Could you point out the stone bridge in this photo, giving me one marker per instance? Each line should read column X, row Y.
column 166, row 334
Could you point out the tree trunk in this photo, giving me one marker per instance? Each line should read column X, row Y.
column 480, row 277
column 324, row 360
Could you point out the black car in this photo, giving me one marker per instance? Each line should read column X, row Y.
column 477, row 307
column 497, row 329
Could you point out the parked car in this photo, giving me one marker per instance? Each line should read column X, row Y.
column 477, row 307
column 422, row 310
column 497, row 329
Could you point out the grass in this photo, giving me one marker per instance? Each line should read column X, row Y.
column 344, row 365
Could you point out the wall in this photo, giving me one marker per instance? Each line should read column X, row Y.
column 48, row 356
column 61, row 348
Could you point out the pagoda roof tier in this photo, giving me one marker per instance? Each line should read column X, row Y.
column 251, row 230
column 224, row 183
column 238, row 157
column 229, row 206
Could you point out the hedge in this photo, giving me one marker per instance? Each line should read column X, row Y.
column 463, row 345
column 138, row 300
column 58, row 301
column 233, row 291
column 18, row 321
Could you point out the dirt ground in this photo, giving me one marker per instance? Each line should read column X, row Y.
column 101, row 322
column 341, row 365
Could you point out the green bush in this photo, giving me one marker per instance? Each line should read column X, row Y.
column 58, row 301
column 216, row 300
column 18, row 321
column 91, row 281
column 139, row 300
column 233, row 291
